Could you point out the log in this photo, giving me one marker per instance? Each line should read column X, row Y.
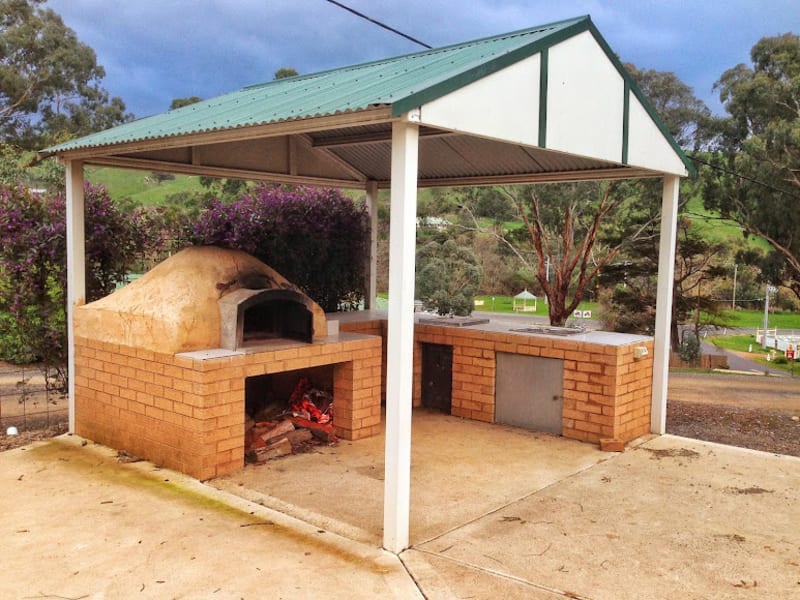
column 298, row 436
column 279, row 430
column 281, row 448
column 322, row 431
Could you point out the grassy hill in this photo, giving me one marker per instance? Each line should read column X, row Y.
column 715, row 229
column 143, row 187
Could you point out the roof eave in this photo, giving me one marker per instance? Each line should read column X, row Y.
column 366, row 116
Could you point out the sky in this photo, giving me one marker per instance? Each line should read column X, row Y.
column 154, row 51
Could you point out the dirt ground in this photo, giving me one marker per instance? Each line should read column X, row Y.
column 27, row 404
column 761, row 413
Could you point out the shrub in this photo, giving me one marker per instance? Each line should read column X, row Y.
column 317, row 238
column 33, row 267
column 448, row 276
column 689, row 349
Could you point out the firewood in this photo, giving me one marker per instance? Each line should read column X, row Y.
column 279, row 430
column 281, row 448
column 298, row 436
column 323, row 431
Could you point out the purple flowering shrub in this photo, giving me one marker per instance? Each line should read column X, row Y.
column 33, row 267
column 317, row 238
column 114, row 240
column 32, row 276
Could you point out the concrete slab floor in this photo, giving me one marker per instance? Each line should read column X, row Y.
column 512, row 514
column 74, row 523
column 672, row 518
column 460, row 471
column 503, row 512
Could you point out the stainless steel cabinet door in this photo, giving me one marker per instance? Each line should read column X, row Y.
column 529, row 392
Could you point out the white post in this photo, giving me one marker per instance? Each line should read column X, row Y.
column 372, row 209
column 400, row 339
column 767, row 290
column 666, row 277
column 76, row 268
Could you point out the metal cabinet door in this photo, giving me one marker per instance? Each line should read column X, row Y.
column 529, row 392
column 437, row 377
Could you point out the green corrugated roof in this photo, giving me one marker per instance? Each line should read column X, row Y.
column 403, row 83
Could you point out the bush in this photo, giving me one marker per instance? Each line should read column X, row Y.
column 33, row 267
column 689, row 349
column 447, row 279
column 317, row 238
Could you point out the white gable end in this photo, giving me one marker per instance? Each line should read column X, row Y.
column 585, row 100
column 647, row 146
column 503, row 105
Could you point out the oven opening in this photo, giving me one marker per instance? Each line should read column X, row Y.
column 279, row 318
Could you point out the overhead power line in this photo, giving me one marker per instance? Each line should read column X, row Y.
column 745, row 177
column 379, row 24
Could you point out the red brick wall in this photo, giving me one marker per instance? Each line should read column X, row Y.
column 371, row 327
column 188, row 414
column 607, row 393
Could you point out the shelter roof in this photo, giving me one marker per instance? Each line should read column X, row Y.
column 334, row 127
column 525, row 295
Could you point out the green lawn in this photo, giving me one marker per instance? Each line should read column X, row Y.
column 755, row 319
column 505, row 304
column 141, row 186
column 714, row 229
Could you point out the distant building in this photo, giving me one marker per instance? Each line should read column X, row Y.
column 433, row 222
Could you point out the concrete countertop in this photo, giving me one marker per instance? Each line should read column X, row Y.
column 502, row 323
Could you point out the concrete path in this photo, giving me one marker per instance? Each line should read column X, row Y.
column 74, row 523
column 673, row 518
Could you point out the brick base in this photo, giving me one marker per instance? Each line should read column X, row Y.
column 186, row 412
column 607, row 392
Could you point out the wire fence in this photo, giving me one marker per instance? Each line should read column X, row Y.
column 27, row 402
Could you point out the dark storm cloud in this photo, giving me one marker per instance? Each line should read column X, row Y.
column 157, row 50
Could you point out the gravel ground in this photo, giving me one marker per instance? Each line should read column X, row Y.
column 762, row 413
column 756, row 428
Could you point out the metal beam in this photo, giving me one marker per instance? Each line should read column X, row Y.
column 371, row 137
column 372, row 267
column 666, row 277
column 400, row 338
column 370, row 116
column 76, row 268
column 524, row 178
column 210, row 171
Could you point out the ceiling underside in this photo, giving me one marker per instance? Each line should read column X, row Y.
column 349, row 155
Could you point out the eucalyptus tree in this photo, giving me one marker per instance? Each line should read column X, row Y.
column 50, row 82
column 754, row 179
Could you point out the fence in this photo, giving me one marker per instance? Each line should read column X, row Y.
column 27, row 402
column 779, row 339
column 705, row 361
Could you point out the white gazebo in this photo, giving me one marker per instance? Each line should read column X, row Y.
column 521, row 301
column 545, row 104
